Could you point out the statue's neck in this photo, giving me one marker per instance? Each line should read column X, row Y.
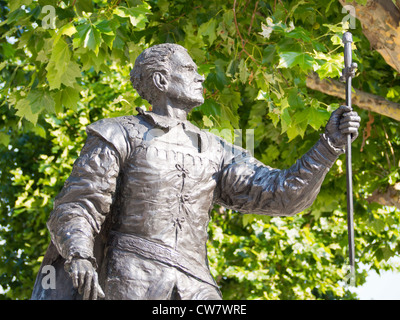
column 170, row 109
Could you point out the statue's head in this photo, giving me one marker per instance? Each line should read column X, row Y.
column 167, row 71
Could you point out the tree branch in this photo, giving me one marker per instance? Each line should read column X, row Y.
column 360, row 98
column 390, row 197
column 240, row 35
column 252, row 17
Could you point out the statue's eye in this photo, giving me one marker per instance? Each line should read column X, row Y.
column 189, row 68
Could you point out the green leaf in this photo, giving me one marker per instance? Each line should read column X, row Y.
column 384, row 254
column 107, row 28
column 295, row 99
column 104, row 26
column 336, row 40
column 269, row 54
column 273, row 152
column 218, row 77
column 291, row 59
column 66, row 75
column 286, row 120
column 90, row 60
column 4, row 139
column 207, row 122
column 73, row 71
column 89, row 37
column 163, row 5
column 243, row 71
column 7, row 49
column 42, row 56
column 299, row 33
column 67, row 13
column 92, row 39
column 302, row 117
column 208, row 29
column 210, row 108
column 137, row 15
column 16, row 4
column 230, row 102
column 35, row 102
column 377, row 225
column 134, row 51
column 53, row 76
column 60, row 54
column 317, row 117
column 68, row 97
column 41, row 100
column 84, row 6
column 335, row 28
column 67, row 29
column 274, row 117
column 58, row 68
column 24, row 110
column 191, row 39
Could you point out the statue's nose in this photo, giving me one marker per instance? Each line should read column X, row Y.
column 200, row 78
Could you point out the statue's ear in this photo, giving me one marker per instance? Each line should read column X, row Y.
column 160, row 81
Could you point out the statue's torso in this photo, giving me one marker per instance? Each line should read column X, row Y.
column 166, row 187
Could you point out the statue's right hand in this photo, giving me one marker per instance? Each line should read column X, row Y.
column 85, row 279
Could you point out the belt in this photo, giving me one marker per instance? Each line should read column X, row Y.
column 158, row 252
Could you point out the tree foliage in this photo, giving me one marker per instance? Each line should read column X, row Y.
column 58, row 75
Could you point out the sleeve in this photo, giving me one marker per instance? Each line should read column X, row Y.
column 248, row 186
column 82, row 205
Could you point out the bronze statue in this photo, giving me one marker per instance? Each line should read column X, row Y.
column 131, row 220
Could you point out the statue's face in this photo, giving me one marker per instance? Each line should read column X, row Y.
column 185, row 83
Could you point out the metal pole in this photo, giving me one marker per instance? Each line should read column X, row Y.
column 347, row 74
column 349, row 177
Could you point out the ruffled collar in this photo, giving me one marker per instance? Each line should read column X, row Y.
column 167, row 123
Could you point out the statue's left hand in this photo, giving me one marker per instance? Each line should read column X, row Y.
column 84, row 278
column 343, row 121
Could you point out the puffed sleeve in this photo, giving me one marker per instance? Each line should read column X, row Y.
column 82, row 205
column 249, row 186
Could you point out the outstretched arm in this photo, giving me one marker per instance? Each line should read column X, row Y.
column 248, row 186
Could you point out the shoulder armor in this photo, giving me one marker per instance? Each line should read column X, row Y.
column 113, row 131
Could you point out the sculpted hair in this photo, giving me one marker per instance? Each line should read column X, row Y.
column 153, row 59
